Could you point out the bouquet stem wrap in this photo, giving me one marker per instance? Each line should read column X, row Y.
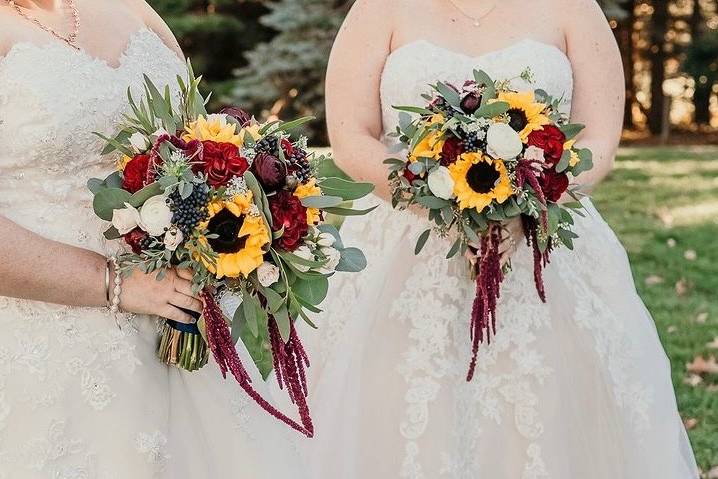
column 225, row 353
column 182, row 345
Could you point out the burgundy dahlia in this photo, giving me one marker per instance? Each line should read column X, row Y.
column 551, row 140
column 242, row 117
column 452, row 149
column 270, row 171
column 221, row 162
column 134, row 176
column 553, row 184
column 289, row 214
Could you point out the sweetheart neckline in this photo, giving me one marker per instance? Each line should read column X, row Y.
column 482, row 56
column 120, row 62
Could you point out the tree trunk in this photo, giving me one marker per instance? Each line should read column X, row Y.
column 657, row 55
column 624, row 37
column 702, row 103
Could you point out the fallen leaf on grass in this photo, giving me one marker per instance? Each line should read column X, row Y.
column 713, row 344
column 672, row 329
column 671, row 243
column 682, row 287
column 690, row 255
column 653, row 280
column 700, row 365
column 665, row 216
column 693, row 380
column 702, row 318
column 690, row 423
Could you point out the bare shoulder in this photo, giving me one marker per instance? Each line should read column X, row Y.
column 154, row 22
column 581, row 12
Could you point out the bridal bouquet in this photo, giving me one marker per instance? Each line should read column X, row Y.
column 239, row 204
column 481, row 155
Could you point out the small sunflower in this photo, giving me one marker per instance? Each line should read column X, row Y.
column 479, row 180
column 431, row 145
column 525, row 113
column 574, row 160
column 310, row 188
column 122, row 162
column 240, row 235
column 214, row 128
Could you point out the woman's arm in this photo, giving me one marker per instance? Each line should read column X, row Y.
column 599, row 95
column 155, row 23
column 352, row 92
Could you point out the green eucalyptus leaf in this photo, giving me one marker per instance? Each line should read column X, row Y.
column 572, row 130
column 421, row 242
column 491, row 110
column 153, row 189
column 432, row 202
column 109, row 199
column 352, row 260
column 349, row 212
column 314, row 291
column 346, row 189
column 322, row 201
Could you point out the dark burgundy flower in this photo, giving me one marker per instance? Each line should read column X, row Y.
column 452, row 149
column 287, row 148
column 553, row 184
column 192, row 150
column 410, row 177
column 288, row 213
column 471, row 102
column 221, row 162
column 135, row 238
column 134, row 176
column 550, row 140
column 270, row 171
column 242, row 117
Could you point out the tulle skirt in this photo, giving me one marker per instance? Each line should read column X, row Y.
column 578, row 387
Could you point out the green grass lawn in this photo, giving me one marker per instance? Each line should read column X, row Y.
column 663, row 204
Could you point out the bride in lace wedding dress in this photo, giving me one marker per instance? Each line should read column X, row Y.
column 81, row 398
column 578, row 388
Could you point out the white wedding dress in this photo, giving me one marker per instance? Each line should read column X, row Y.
column 578, row 388
column 79, row 397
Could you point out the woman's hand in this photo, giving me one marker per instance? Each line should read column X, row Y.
column 512, row 233
column 144, row 294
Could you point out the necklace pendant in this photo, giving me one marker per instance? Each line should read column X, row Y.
column 477, row 23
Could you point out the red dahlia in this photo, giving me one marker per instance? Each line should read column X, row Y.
column 221, row 162
column 550, row 140
column 134, row 176
column 451, row 151
column 553, row 184
column 289, row 213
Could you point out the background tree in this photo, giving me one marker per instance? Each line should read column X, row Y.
column 702, row 64
column 285, row 76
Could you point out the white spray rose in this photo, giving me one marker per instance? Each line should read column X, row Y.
column 155, row 215
column 441, row 183
column 305, row 253
column 534, row 154
column 333, row 258
column 139, row 142
column 173, row 238
column 326, row 239
column 267, row 274
column 503, row 142
column 125, row 219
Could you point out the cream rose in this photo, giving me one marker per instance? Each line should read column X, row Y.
column 534, row 154
column 333, row 257
column 326, row 239
column 125, row 219
column 267, row 274
column 441, row 183
column 503, row 142
column 305, row 253
column 173, row 238
column 139, row 142
column 155, row 215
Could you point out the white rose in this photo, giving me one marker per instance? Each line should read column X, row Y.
column 503, row 142
column 305, row 253
column 326, row 239
column 139, row 142
column 229, row 303
column 333, row 256
column 173, row 238
column 534, row 154
column 267, row 274
column 125, row 219
column 221, row 118
column 155, row 215
column 441, row 183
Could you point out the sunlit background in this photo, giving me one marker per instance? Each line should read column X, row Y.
column 662, row 198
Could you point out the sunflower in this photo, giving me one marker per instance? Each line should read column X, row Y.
column 525, row 113
column 479, row 180
column 310, row 188
column 214, row 128
column 574, row 160
column 122, row 162
column 240, row 235
column 432, row 144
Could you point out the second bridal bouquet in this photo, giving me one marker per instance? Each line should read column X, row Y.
column 480, row 155
column 239, row 204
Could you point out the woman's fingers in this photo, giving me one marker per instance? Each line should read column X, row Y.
column 176, row 314
column 184, row 274
column 186, row 302
column 184, row 287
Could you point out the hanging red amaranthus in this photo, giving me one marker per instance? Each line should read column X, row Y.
column 225, row 354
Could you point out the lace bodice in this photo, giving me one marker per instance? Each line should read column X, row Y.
column 411, row 68
column 52, row 100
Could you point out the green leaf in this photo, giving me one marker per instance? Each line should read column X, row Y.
column 283, row 322
column 586, row 161
column 572, row 130
column 421, row 242
column 251, row 306
column 482, row 78
column 258, row 346
column 109, row 199
column 471, row 234
column 454, row 249
column 451, row 95
column 564, row 161
column 313, row 291
column 413, row 109
column 349, row 212
column 432, row 202
column 322, row 201
column 346, row 189
column 139, row 198
column 511, row 208
column 491, row 110
column 112, row 233
column 274, row 299
column 291, row 125
column 352, row 260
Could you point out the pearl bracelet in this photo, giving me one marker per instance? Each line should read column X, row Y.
column 114, row 304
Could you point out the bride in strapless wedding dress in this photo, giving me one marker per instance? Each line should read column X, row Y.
column 81, row 398
column 577, row 388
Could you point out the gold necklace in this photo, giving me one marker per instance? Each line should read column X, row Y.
column 70, row 38
column 475, row 20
